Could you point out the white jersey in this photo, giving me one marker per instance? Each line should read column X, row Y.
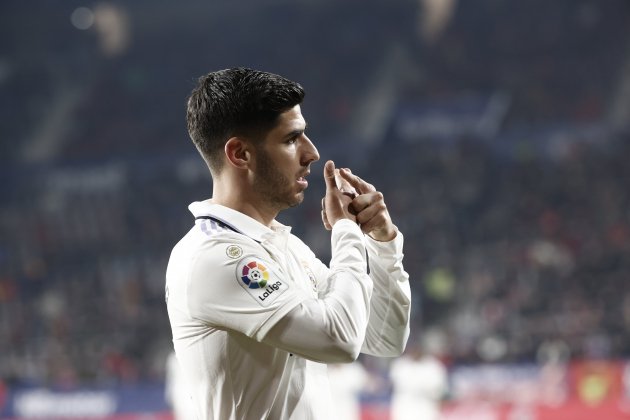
column 176, row 391
column 231, row 280
column 347, row 381
column 418, row 388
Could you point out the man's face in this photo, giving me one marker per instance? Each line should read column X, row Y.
column 283, row 161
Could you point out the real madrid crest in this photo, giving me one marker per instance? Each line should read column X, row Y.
column 234, row 251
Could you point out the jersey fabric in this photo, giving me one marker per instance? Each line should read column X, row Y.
column 176, row 390
column 419, row 385
column 230, row 280
column 347, row 381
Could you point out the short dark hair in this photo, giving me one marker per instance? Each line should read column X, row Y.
column 236, row 102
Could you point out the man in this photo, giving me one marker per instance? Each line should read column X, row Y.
column 347, row 382
column 255, row 315
column 419, row 380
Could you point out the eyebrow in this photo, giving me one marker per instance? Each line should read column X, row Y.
column 295, row 133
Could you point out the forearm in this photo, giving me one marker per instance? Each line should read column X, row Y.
column 333, row 327
column 388, row 328
column 329, row 330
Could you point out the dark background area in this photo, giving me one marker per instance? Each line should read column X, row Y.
column 497, row 130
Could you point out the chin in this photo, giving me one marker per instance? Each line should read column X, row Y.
column 298, row 200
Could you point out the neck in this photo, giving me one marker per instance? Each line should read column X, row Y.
column 244, row 200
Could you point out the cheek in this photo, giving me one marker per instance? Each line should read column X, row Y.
column 286, row 162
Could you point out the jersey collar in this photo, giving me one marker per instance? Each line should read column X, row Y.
column 239, row 221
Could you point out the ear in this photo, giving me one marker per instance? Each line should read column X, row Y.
column 238, row 152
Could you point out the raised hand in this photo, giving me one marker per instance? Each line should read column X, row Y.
column 369, row 208
column 335, row 205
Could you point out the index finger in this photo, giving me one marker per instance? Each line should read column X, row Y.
column 360, row 185
column 329, row 175
column 344, row 186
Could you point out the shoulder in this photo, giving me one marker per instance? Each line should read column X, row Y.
column 213, row 240
column 297, row 244
column 209, row 253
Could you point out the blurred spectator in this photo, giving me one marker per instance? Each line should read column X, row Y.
column 347, row 381
column 518, row 239
column 419, row 380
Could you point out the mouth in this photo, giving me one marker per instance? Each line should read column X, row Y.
column 302, row 180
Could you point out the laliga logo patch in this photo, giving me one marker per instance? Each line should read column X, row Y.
column 257, row 278
column 255, row 275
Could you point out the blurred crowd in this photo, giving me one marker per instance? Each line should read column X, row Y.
column 517, row 259
column 516, row 253
column 509, row 258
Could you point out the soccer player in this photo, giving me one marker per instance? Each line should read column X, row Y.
column 420, row 381
column 255, row 316
column 347, row 381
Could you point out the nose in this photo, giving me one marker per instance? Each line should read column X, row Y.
column 309, row 151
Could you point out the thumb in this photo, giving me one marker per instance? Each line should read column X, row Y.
column 329, row 175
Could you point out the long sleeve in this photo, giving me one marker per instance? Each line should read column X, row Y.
column 332, row 328
column 388, row 327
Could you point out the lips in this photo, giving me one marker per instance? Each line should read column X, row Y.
column 302, row 180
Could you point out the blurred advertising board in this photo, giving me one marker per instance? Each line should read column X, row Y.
column 570, row 410
column 581, row 390
column 127, row 402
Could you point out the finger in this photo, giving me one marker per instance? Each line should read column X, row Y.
column 363, row 201
column 325, row 221
column 373, row 218
column 339, row 181
column 344, row 186
column 371, row 212
column 360, row 185
column 329, row 175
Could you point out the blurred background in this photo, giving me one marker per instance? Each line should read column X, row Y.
column 498, row 130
